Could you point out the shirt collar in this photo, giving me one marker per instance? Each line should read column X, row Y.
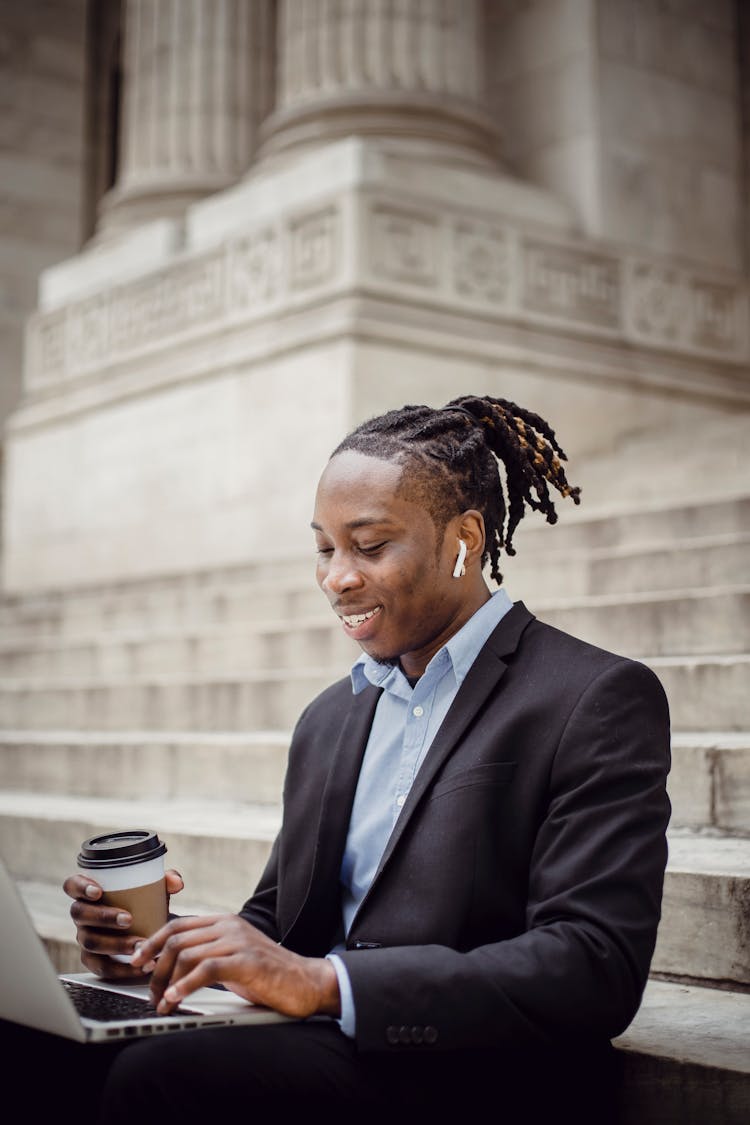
column 458, row 653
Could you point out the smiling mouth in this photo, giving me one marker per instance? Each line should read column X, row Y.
column 355, row 619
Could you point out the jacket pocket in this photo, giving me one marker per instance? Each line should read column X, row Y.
column 490, row 774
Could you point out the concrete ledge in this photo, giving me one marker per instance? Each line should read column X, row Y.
column 686, row 1058
column 221, row 766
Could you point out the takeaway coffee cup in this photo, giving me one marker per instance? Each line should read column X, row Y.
column 129, row 867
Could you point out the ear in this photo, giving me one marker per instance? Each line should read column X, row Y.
column 469, row 526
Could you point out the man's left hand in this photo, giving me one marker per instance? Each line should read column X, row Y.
column 189, row 953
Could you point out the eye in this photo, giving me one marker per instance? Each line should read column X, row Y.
column 324, row 550
column 373, row 549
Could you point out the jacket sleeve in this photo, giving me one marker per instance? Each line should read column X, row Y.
column 593, row 905
column 260, row 909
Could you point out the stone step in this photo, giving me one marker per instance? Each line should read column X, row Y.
column 604, row 539
column 70, row 614
column 163, row 765
column 685, row 1058
column 695, row 564
column 270, row 700
column 709, row 784
column 212, row 651
column 706, row 692
column 631, row 526
column 703, row 930
column 677, row 623
column 660, row 623
column 219, row 847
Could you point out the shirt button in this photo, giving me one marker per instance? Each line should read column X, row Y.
column 418, row 711
column 400, row 800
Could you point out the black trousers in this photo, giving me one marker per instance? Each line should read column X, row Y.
column 285, row 1070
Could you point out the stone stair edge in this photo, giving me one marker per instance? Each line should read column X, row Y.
column 177, row 583
column 191, row 816
column 709, row 852
column 635, row 505
column 281, row 625
column 164, row 679
column 146, row 737
column 708, row 740
column 60, row 597
column 703, row 851
column 276, row 675
column 189, row 631
column 702, row 1025
column 627, row 550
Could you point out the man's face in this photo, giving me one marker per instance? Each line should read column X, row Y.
column 382, row 565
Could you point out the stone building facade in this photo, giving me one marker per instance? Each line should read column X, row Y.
column 318, row 209
column 234, row 228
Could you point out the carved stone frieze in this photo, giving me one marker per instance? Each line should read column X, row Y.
column 659, row 303
column 719, row 316
column 404, row 246
column 88, row 332
column 674, row 308
column 481, row 262
column 313, row 242
column 254, row 270
column 168, row 303
column 46, row 353
column 438, row 255
column 563, row 281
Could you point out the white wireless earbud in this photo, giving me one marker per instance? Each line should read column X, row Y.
column 459, row 570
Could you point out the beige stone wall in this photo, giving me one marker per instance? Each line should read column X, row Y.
column 630, row 109
column 670, row 127
column 42, row 75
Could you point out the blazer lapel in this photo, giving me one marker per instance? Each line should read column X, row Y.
column 321, row 906
column 481, row 680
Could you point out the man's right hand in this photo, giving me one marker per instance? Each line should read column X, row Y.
column 100, row 930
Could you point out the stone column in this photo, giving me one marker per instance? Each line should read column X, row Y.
column 408, row 69
column 197, row 81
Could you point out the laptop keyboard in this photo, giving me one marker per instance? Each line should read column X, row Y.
column 99, row 1004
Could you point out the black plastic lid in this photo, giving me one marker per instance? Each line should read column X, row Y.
column 120, row 849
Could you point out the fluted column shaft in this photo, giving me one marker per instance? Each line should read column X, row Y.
column 197, row 81
column 398, row 68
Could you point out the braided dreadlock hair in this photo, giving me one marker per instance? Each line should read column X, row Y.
column 451, row 460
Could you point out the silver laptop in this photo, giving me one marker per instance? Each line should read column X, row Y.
column 79, row 1005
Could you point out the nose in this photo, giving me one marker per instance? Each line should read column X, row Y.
column 338, row 573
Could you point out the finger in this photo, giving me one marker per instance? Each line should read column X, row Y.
column 102, row 917
column 107, row 969
column 205, row 965
column 177, row 953
column 175, row 882
column 82, row 887
column 105, row 943
column 154, row 946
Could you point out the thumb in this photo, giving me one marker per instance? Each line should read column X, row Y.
column 174, row 881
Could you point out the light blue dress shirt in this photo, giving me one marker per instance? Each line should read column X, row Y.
column 405, row 723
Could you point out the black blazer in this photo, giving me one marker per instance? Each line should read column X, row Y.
column 519, row 894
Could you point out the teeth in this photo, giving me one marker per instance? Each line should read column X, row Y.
column 358, row 618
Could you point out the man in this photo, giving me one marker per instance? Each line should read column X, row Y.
column 463, row 898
